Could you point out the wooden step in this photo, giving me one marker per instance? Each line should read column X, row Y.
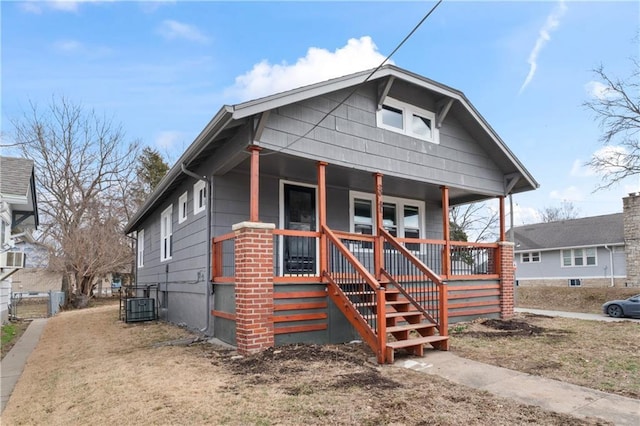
column 417, row 341
column 403, row 314
column 387, row 303
column 408, row 327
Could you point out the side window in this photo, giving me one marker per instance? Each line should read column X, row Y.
column 182, row 205
column 141, row 248
column 166, row 234
column 199, row 197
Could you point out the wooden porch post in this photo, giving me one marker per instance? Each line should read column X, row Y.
column 446, row 259
column 254, row 193
column 322, row 215
column 378, row 261
column 502, row 219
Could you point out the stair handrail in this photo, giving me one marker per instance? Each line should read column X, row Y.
column 443, row 296
column 359, row 267
column 378, row 344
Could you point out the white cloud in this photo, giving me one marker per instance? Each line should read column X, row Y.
column 579, row 169
column 318, row 65
column 168, row 139
column 68, row 46
column 522, row 215
column 38, row 6
column 552, row 23
column 571, row 193
column 595, row 89
column 612, row 157
column 172, row 30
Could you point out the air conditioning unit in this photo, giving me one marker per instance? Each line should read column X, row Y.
column 12, row 259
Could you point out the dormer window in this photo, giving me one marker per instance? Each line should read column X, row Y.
column 408, row 119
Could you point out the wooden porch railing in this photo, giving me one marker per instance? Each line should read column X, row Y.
column 356, row 293
column 426, row 291
column 223, row 268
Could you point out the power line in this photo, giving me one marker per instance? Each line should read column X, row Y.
column 356, row 87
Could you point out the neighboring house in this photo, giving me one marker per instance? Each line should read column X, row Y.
column 35, row 277
column 271, row 229
column 593, row 251
column 18, row 217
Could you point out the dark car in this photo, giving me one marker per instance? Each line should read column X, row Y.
column 623, row 308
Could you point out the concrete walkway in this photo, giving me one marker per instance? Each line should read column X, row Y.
column 549, row 394
column 577, row 315
column 12, row 365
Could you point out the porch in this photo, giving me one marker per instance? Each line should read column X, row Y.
column 276, row 286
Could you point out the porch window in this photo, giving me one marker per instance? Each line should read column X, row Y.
column 199, row 196
column 182, row 205
column 579, row 257
column 166, row 234
column 400, row 217
column 141, row 248
column 531, row 257
column 410, row 120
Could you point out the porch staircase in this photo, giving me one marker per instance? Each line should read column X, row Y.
column 409, row 327
column 383, row 311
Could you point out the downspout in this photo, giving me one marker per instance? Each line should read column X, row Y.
column 611, row 263
column 208, row 268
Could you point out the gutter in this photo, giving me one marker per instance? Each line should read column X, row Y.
column 210, row 132
column 613, row 283
column 207, row 281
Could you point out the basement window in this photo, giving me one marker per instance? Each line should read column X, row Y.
column 575, row 282
column 407, row 119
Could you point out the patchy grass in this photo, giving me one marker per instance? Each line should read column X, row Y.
column 11, row 333
column 595, row 354
column 145, row 373
column 570, row 299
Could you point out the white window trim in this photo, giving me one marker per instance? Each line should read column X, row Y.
column 584, row 257
column 407, row 112
column 166, row 235
column 141, row 248
column 530, row 253
column 281, row 221
column 183, row 212
column 399, row 202
column 197, row 187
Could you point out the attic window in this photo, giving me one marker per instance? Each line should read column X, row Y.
column 407, row 119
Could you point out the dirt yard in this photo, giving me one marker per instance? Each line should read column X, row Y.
column 90, row 368
column 595, row 354
column 571, row 299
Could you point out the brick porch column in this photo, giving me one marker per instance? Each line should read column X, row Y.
column 254, row 286
column 507, row 279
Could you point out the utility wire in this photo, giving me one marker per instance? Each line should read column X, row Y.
column 356, row 87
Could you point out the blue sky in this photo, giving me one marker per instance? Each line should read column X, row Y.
column 163, row 69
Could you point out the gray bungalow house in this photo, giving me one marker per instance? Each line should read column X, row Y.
column 597, row 251
column 321, row 215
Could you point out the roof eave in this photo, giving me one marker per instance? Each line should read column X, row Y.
column 206, row 136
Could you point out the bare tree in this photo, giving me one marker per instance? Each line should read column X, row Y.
column 566, row 210
column 616, row 106
column 82, row 162
column 476, row 220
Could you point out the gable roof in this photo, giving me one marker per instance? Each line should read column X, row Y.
column 586, row 231
column 15, row 175
column 229, row 117
column 18, row 188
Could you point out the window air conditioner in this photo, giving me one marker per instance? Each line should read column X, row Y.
column 12, row 259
